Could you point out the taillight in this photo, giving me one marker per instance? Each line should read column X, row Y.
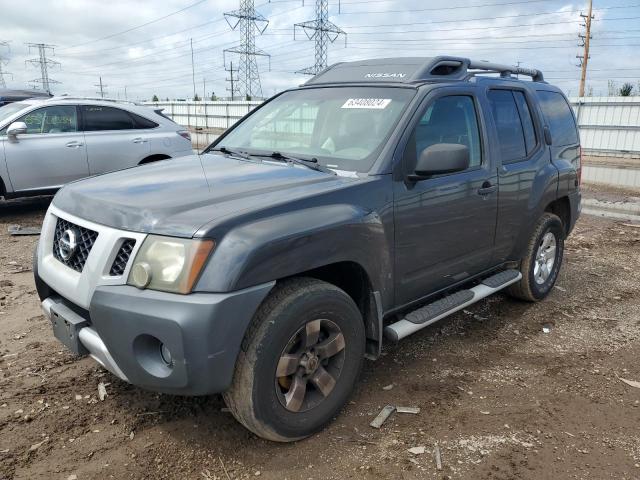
column 579, row 167
column 185, row 134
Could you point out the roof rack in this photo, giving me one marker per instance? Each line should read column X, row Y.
column 415, row 70
column 97, row 99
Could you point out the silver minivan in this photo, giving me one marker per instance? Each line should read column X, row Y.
column 45, row 144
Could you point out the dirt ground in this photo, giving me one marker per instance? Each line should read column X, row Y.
column 499, row 396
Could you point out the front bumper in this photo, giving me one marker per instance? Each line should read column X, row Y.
column 124, row 328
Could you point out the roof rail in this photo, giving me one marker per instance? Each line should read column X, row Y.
column 505, row 70
column 97, row 99
column 415, row 70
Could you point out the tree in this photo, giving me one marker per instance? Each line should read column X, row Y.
column 155, row 99
column 196, row 98
column 626, row 90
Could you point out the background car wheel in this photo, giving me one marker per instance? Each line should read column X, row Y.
column 543, row 257
column 298, row 362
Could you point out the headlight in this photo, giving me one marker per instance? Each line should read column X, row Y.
column 169, row 264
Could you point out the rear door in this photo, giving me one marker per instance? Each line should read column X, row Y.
column 113, row 141
column 51, row 153
column 526, row 176
column 444, row 225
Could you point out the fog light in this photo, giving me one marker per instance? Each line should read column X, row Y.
column 141, row 274
column 165, row 353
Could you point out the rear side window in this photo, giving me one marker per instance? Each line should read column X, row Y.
column 527, row 121
column 98, row 118
column 141, row 122
column 508, row 125
column 558, row 114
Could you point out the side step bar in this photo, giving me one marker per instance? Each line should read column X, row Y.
column 431, row 313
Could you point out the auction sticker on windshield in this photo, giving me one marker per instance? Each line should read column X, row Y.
column 372, row 103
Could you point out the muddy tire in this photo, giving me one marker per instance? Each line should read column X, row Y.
column 542, row 260
column 298, row 362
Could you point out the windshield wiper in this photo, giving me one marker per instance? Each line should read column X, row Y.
column 312, row 164
column 234, row 153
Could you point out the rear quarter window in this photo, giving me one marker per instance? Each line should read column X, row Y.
column 559, row 117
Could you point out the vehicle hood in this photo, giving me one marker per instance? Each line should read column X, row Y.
column 178, row 196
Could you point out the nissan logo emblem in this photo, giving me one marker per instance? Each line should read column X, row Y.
column 68, row 244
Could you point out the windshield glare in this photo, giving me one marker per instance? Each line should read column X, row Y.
column 7, row 110
column 342, row 127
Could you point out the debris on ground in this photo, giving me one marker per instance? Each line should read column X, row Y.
column 416, row 450
column 631, row 383
column 410, row 410
column 102, row 391
column 382, row 417
column 438, row 456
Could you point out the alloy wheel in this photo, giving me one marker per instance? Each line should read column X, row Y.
column 545, row 258
column 310, row 365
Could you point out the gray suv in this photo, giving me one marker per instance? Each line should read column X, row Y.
column 376, row 199
column 45, row 144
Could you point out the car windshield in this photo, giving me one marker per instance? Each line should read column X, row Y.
column 7, row 110
column 339, row 127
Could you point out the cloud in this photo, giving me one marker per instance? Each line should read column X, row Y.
column 156, row 59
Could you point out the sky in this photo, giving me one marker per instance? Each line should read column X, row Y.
column 143, row 46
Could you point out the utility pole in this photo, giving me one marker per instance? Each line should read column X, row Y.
column 101, row 87
column 249, row 22
column 204, row 89
column 193, row 71
column 584, row 58
column 44, row 63
column 3, row 61
column 125, row 92
column 231, row 79
column 323, row 32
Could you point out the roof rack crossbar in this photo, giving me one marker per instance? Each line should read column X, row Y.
column 506, row 70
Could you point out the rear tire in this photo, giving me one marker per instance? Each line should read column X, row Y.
column 542, row 260
column 305, row 330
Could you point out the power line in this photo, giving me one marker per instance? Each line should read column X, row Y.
column 44, row 63
column 136, row 27
column 249, row 22
column 323, row 32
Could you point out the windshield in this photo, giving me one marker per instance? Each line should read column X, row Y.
column 7, row 110
column 341, row 127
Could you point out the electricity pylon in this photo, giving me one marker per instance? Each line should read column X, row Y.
column 323, row 32
column 248, row 21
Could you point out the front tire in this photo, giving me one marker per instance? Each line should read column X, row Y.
column 542, row 260
column 298, row 362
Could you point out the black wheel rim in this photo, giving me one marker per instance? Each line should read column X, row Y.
column 310, row 365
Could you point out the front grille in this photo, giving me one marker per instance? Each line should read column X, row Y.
column 85, row 239
column 122, row 258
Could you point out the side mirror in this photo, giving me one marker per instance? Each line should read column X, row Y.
column 547, row 136
column 441, row 158
column 16, row 128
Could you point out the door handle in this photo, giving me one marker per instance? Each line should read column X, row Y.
column 139, row 140
column 74, row 144
column 487, row 188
